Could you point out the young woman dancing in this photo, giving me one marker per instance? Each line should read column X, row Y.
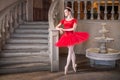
column 70, row 37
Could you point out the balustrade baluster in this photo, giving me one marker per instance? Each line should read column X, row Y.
column 85, row 11
column 24, row 10
column 65, row 3
column 72, row 6
column 7, row 20
column 112, row 16
column 7, row 26
column 3, row 25
column 91, row 10
column 11, row 22
column 18, row 14
column 15, row 17
column 0, row 29
column 119, row 11
column 75, row 9
column 105, row 13
column 98, row 10
column 78, row 10
column 0, row 35
column 3, row 31
column 82, row 7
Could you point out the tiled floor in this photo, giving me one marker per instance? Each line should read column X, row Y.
column 84, row 72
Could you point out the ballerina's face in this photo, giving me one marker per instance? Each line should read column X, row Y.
column 66, row 12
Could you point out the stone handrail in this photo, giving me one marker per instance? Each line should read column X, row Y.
column 54, row 17
column 10, row 18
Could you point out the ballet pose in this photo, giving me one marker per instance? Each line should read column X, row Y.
column 70, row 38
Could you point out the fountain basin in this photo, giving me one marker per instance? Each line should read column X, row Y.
column 107, row 60
column 102, row 39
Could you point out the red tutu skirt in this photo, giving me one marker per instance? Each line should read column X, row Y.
column 72, row 38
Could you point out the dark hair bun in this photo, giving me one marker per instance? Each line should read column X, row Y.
column 69, row 9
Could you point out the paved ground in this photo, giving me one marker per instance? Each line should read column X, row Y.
column 84, row 72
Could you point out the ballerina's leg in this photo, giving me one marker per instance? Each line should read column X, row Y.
column 69, row 57
column 74, row 61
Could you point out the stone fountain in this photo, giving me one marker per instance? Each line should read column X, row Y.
column 103, row 56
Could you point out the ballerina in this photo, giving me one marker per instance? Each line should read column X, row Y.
column 70, row 38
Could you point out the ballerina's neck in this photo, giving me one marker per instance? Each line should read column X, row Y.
column 69, row 18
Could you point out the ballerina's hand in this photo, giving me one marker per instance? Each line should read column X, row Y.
column 61, row 30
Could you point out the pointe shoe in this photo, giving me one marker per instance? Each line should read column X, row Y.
column 65, row 70
column 74, row 67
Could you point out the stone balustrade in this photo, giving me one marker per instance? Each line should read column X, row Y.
column 95, row 9
column 10, row 18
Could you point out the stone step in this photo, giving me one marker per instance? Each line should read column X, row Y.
column 43, row 22
column 30, row 35
column 27, row 67
column 24, row 65
column 33, row 26
column 26, row 46
column 37, row 31
column 24, row 59
column 28, row 40
column 23, row 50
column 15, row 53
column 27, row 49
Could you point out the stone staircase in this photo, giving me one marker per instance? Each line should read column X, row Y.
column 27, row 49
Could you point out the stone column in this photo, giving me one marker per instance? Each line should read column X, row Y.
column 54, row 50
